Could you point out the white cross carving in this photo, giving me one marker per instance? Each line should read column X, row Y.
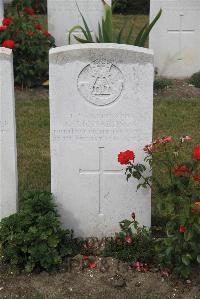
column 101, row 172
column 180, row 31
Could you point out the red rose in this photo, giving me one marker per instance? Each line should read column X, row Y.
column 180, row 170
column 182, row 229
column 29, row 11
column 125, row 157
column 7, row 21
column 30, row 33
column 197, row 203
column 38, row 26
column 197, row 177
column 167, row 139
column 196, row 152
column 46, row 33
column 128, row 239
column 2, row 28
column 9, row 43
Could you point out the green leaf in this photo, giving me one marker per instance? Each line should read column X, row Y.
column 130, row 34
column 188, row 235
column 198, row 259
column 186, row 259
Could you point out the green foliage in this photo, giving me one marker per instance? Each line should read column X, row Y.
column 181, row 250
column 133, row 243
column 179, row 199
column 33, row 237
column 30, row 51
column 195, row 80
column 131, row 6
column 106, row 32
column 161, row 83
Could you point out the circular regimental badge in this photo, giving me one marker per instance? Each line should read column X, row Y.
column 100, row 82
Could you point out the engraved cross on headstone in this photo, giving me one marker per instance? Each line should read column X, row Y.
column 101, row 172
column 180, row 31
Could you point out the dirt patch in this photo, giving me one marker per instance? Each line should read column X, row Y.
column 179, row 89
column 32, row 94
column 118, row 281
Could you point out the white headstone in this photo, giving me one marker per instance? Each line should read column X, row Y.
column 175, row 39
column 64, row 14
column 1, row 11
column 8, row 160
column 101, row 101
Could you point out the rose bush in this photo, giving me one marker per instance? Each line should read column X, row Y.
column 30, row 43
column 179, row 196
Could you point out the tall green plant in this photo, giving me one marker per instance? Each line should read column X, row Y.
column 106, row 32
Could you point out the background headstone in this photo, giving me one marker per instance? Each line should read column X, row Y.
column 64, row 14
column 8, row 159
column 101, row 103
column 1, row 11
column 175, row 38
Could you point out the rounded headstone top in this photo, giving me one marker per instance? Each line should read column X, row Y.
column 5, row 51
column 91, row 46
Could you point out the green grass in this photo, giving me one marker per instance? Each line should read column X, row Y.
column 33, row 144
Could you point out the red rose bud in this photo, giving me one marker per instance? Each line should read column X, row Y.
column 167, row 139
column 133, row 215
column 197, row 177
column 2, row 28
column 85, row 257
column 128, row 239
column 30, row 33
column 7, row 21
column 38, row 26
column 9, row 43
column 125, row 157
column 196, row 153
column 46, row 33
column 29, row 11
column 182, row 229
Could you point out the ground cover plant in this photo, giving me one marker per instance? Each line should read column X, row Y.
column 30, row 43
column 33, row 238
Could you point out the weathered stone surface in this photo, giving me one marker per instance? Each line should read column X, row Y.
column 64, row 14
column 1, row 10
column 101, row 103
column 175, row 39
column 8, row 164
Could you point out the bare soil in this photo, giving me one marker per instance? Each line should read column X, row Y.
column 118, row 281
column 179, row 89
